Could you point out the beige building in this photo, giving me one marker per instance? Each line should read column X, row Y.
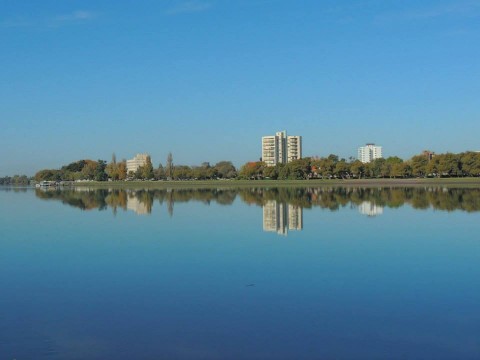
column 280, row 148
column 136, row 162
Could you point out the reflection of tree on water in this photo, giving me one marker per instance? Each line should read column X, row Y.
column 83, row 199
column 117, row 199
column 139, row 201
column 170, row 202
column 14, row 188
column 334, row 198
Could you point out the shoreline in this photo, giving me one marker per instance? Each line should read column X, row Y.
column 443, row 182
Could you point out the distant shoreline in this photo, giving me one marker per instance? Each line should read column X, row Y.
column 445, row 182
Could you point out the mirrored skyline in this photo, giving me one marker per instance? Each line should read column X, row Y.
column 282, row 208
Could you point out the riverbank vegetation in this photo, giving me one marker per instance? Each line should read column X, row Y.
column 448, row 165
column 16, row 180
column 331, row 167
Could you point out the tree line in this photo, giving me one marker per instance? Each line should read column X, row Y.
column 330, row 167
column 100, row 170
column 423, row 165
column 16, row 180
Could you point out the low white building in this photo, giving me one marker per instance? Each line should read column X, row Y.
column 369, row 153
column 136, row 162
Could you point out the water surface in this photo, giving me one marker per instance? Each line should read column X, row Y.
column 300, row 273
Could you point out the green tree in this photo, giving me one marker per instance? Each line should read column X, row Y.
column 419, row 164
column 449, row 164
column 139, row 173
column 391, row 167
column 159, row 173
column 342, row 169
column 100, row 174
column 357, row 169
column 295, row 170
column 225, row 170
column 325, row 167
column 122, row 170
column 89, row 170
column 432, row 168
column 271, row 172
column 199, row 172
column 169, row 166
column 375, row 168
column 74, row 167
column 252, row 170
column 147, row 171
column 470, row 163
column 113, row 169
column 48, row 175
column 182, row 172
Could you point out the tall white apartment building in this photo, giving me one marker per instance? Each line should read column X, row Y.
column 280, row 148
column 136, row 162
column 369, row 153
column 270, row 150
column 294, row 148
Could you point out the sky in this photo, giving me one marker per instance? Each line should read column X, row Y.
column 206, row 79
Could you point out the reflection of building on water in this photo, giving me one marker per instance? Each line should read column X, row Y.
column 281, row 217
column 295, row 217
column 370, row 208
column 134, row 204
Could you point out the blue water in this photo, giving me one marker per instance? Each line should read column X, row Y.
column 211, row 280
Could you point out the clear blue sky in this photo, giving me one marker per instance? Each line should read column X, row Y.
column 205, row 79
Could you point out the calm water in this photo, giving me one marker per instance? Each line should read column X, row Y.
column 240, row 274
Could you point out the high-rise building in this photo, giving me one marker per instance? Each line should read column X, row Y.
column 281, row 149
column 270, row 150
column 136, row 162
column 294, row 148
column 369, row 153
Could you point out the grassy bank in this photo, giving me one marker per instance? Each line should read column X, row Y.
column 444, row 182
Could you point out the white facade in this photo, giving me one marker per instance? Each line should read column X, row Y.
column 294, row 148
column 136, row 162
column 369, row 153
column 269, row 150
column 280, row 148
